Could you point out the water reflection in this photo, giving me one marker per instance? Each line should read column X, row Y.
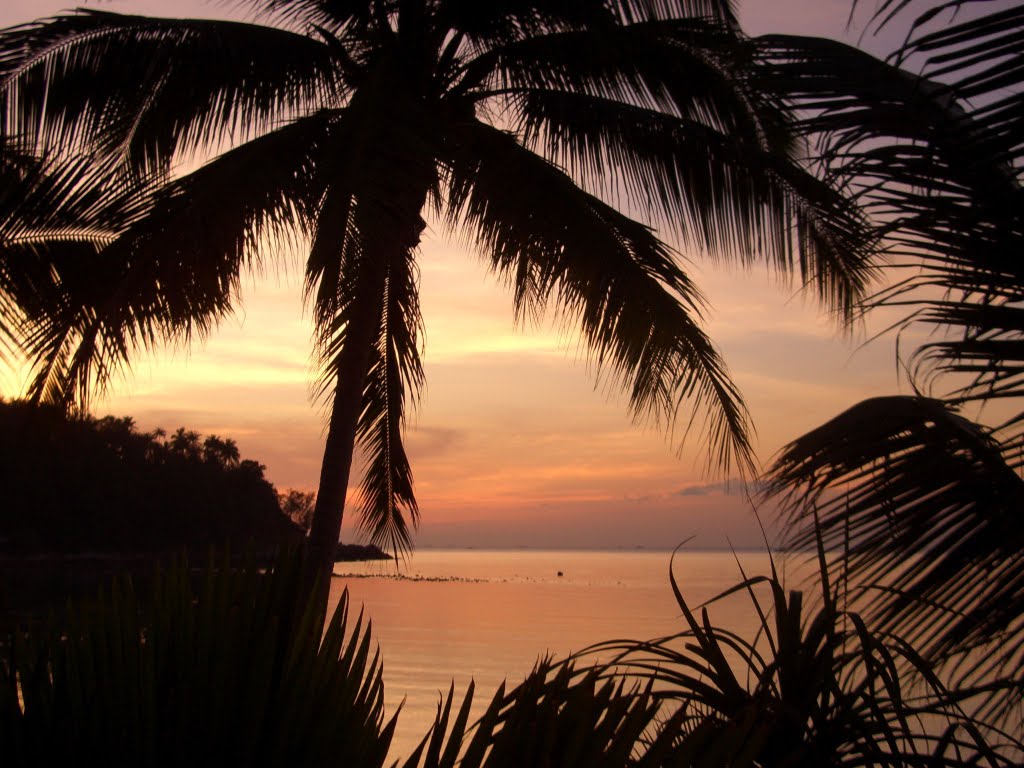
column 485, row 615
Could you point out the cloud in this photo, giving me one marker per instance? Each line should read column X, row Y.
column 732, row 485
column 433, row 441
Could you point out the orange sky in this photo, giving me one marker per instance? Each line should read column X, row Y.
column 513, row 445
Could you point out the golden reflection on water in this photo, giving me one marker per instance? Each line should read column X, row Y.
column 488, row 616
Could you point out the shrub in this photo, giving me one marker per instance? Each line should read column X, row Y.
column 240, row 673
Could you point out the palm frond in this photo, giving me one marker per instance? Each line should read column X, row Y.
column 335, row 15
column 393, row 375
column 734, row 199
column 636, row 308
column 362, row 281
column 812, row 688
column 921, row 507
column 227, row 664
column 487, row 25
column 944, row 189
column 502, row 22
column 664, row 115
column 165, row 259
column 388, row 505
column 978, row 42
column 989, row 353
column 559, row 714
column 139, row 91
column 686, row 66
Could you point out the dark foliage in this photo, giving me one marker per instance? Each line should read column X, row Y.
column 559, row 715
column 85, row 485
column 923, row 505
column 239, row 673
column 816, row 687
column 932, row 512
column 298, row 506
column 237, row 669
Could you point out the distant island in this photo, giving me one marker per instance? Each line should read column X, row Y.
column 348, row 553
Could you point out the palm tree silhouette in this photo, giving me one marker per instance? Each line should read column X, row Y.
column 922, row 502
column 344, row 123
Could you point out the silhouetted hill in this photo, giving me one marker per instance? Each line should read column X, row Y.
column 98, row 486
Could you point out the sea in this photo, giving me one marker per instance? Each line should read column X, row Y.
column 449, row 616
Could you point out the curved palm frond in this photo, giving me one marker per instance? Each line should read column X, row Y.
column 739, row 201
column 663, row 115
column 813, row 688
column 487, row 25
column 989, row 354
column 51, row 277
column 362, row 280
column 333, row 15
column 165, row 261
column 944, row 187
column 394, row 373
column 687, row 67
column 559, row 714
column 138, row 91
column 502, row 22
column 923, row 509
column 607, row 273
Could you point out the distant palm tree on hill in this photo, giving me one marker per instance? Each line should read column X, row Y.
column 512, row 122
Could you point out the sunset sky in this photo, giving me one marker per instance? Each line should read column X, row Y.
column 513, row 445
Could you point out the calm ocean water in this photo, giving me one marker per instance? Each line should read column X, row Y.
column 456, row 615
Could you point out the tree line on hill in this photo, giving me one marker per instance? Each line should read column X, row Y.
column 99, row 485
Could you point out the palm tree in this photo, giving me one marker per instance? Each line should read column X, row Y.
column 923, row 502
column 342, row 124
column 221, row 452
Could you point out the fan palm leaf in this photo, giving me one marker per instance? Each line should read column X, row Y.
column 226, row 664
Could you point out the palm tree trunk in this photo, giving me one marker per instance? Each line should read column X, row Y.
column 341, row 434
column 396, row 239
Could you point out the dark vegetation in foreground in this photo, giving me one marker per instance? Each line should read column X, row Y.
column 241, row 671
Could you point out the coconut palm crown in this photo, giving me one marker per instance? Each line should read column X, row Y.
column 176, row 154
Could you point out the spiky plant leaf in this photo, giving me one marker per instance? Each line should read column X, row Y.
column 238, row 671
